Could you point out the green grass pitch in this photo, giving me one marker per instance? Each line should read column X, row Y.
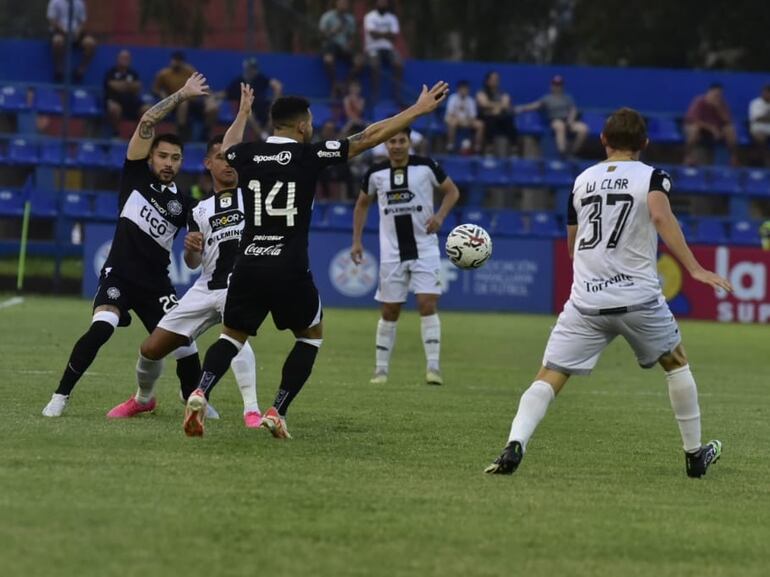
column 382, row 480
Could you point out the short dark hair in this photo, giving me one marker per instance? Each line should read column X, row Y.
column 625, row 129
column 406, row 130
column 213, row 141
column 178, row 55
column 169, row 137
column 461, row 83
column 287, row 109
column 716, row 85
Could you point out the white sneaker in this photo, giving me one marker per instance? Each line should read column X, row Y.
column 433, row 377
column 56, row 405
column 379, row 378
column 211, row 412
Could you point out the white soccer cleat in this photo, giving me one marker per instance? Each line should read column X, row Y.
column 56, row 405
column 211, row 412
column 379, row 378
column 433, row 377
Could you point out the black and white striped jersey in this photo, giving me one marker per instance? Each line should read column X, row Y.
column 405, row 200
column 150, row 217
column 220, row 218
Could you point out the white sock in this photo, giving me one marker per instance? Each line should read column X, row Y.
column 532, row 408
column 147, row 374
column 684, row 400
column 431, row 339
column 386, row 340
column 244, row 367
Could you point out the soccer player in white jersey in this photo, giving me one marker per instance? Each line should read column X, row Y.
column 403, row 187
column 215, row 228
column 616, row 211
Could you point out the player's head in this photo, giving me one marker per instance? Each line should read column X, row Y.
column 398, row 145
column 177, row 60
column 291, row 117
column 166, row 157
column 625, row 130
column 124, row 59
column 557, row 84
column 463, row 87
column 223, row 175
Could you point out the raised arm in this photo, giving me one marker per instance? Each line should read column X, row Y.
column 381, row 131
column 234, row 134
column 141, row 140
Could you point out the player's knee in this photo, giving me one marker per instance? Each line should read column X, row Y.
column 391, row 312
column 427, row 308
column 312, row 342
column 186, row 351
column 676, row 359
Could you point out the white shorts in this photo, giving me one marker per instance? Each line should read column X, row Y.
column 577, row 340
column 198, row 310
column 422, row 276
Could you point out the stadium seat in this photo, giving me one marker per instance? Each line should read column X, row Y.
column 11, row 202
column 689, row 179
column 493, row 172
column 526, row 172
column 22, row 151
column 192, row 160
column 428, row 124
column 90, row 155
column 43, row 203
column 725, row 180
column 710, row 230
column 13, row 99
column 85, row 103
column 53, row 153
column 530, row 124
column 757, row 182
column 745, row 232
column 106, row 206
column 340, row 216
column 544, row 225
column 322, row 113
column 663, row 131
column 478, row 216
column 77, row 205
column 595, row 122
column 558, row 174
column 48, row 100
column 116, row 155
column 461, row 169
column 510, row 223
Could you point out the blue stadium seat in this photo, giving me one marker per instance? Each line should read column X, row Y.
column 116, row 155
column 90, row 155
column 322, row 113
column 340, row 216
column 530, row 124
column 558, row 174
column 710, row 230
column 13, row 99
column 384, row 109
column 757, row 182
column 745, row 232
column 106, row 206
column 192, row 160
column 510, row 223
column 690, row 179
column 461, row 169
column 428, row 124
column 43, row 203
column 725, row 180
column 22, row 151
column 372, row 223
column 226, row 112
column 494, row 172
column 477, row 216
column 663, row 130
column 688, row 226
column 11, row 202
column 595, row 122
column 544, row 225
column 85, row 103
column 526, row 172
column 53, row 153
column 77, row 205
column 48, row 100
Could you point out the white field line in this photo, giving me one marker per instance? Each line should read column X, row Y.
column 11, row 302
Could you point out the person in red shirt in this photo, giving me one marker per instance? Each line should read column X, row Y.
column 708, row 120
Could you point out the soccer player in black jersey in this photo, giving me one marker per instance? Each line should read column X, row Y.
column 135, row 275
column 272, row 273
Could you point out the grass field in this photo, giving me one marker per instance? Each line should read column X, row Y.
column 382, row 480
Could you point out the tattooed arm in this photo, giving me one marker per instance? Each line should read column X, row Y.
column 139, row 145
column 381, row 131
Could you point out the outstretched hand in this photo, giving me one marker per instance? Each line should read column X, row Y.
column 196, row 85
column 247, row 99
column 429, row 100
column 713, row 279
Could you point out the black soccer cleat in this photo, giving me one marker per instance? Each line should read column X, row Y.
column 508, row 461
column 697, row 463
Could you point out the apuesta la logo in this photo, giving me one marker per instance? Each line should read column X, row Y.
column 283, row 158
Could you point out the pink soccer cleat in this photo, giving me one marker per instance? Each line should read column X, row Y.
column 131, row 408
column 252, row 419
column 276, row 424
column 195, row 414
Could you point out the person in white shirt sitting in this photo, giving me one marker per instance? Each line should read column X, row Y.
column 461, row 112
column 381, row 29
column 759, row 123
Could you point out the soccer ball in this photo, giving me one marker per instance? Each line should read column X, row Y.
column 468, row 246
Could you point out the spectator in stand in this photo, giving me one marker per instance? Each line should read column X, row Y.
column 381, row 29
column 338, row 28
column 123, row 92
column 562, row 114
column 58, row 22
column 495, row 111
column 708, row 121
column 354, row 106
column 170, row 79
column 759, row 123
column 461, row 112
column 261, row 84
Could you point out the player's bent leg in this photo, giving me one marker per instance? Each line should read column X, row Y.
column 103, row 323
column 244, row 367
column 533, row 406
column 683, row 394
column 430, row 329
column 385, row 341
column 188, row 368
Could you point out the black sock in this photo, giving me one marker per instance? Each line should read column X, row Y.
column 83, row 354
column 217, row 361
column 296, row 371
column 188, row 370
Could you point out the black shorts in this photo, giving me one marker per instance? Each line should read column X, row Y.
column 290, row 297
column 149, row 305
